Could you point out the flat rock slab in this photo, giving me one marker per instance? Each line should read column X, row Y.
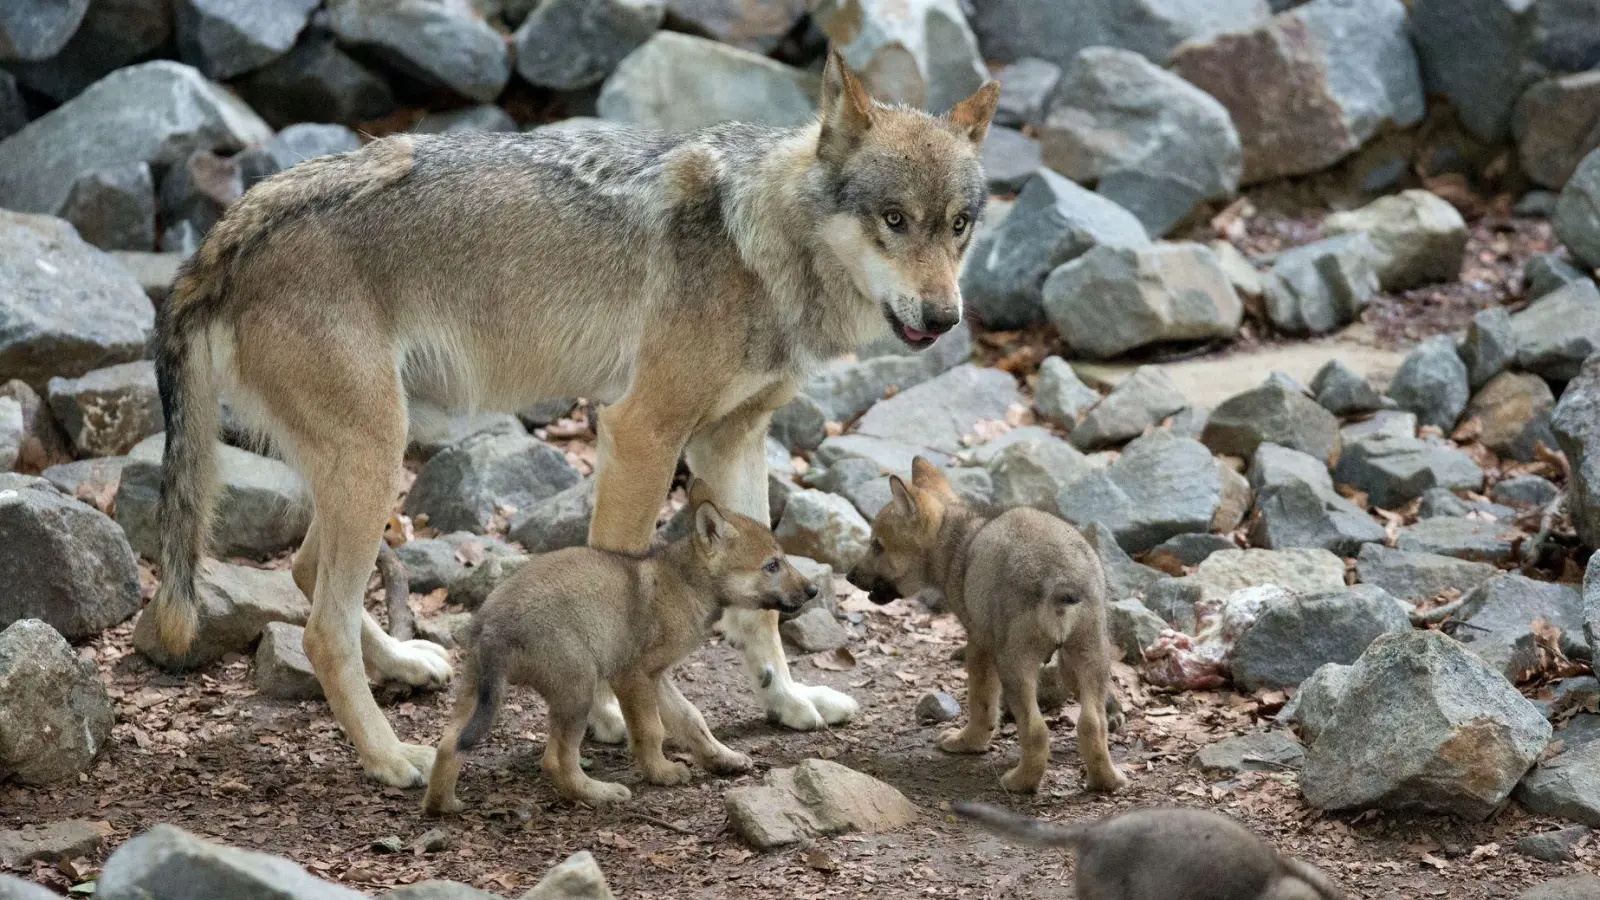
column 52, row 842
column 1300, row 570
column 1566, row 785
column 815, row 797
column 172, row 864
column 1272, row 751
column 1419, row 577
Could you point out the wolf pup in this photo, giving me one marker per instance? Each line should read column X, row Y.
column 689, row 283
column 1023, row 583
column 569, row 619
column 1165, row 853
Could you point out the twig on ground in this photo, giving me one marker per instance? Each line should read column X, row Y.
column 397, row 593
column 1547, row 520
column 658, row 822
column 1426, row 617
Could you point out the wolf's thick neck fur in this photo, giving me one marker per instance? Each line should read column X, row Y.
column 959, row 525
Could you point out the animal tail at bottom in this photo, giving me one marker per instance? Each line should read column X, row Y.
column 1025, row 829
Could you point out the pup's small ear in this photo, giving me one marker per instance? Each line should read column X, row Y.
column 699, row 491
column 710, row 525
column 970, row 118
column 905, row 502
column 928, row 477
column 846, row 109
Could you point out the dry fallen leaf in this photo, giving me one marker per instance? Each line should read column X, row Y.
column 840, row 660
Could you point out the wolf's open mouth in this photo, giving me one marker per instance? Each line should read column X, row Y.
column 911, row 337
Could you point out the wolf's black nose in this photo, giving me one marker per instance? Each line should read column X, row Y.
column 938, row 319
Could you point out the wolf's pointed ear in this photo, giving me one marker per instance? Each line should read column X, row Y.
column 846, row 109
column 904, row 501
column 710, row 525
column 970, row 118
column 699, row 491
column 927, row 477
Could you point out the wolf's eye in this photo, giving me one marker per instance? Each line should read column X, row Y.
column 960, row 224
column 895, row 220
column 772, row 566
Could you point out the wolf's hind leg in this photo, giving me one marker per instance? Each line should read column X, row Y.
column 606, row 724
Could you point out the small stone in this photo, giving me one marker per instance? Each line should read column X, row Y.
column 1272, row 414
column 483, row 118
column 1566, row 785
column 815, row 631
column 64, row 562
column 935, row 707
column 1315, row 288
column 1271, row 751
column 1316, row 701
column 1301, row 571
column 317, row 82
column 1440, row 502
column 1309, row 515
column 1461, row 538
column 1026, row 87
column 1432, row 382
column 1524, row 490
column 760, row 27
column 55, row 714
column 1296, row 636
column 166, row 862
column 1557, row 332
column 236, row 605
column 823, row 527
column 52, row 842
column 1114, row 299
column 1513, row 411
column 1137, row 403
column 1032, row 473
column 938, row 414
column 390, row 844
column 1553, row 846
column 114, row 208
column 433, row 840
column 567, row 45
column 1343, row 391
column 815, row 797
column 1396, row 470
column 444, row 43
column 282, row 670
column 577, row 878
column 1553, row 123
column 1489, row 346
column 447, row 630
column 1132, row 627
column 461, row 488
column 471, row 590
column 1060, row 394
column 108, row 411
column 1546, row 273
column 1419, row 237
column 676, row 82
column 1009, row 159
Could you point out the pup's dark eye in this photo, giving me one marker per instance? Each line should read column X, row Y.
column 895, row 220
column 960, row 224
column 772, row 566
column 877, row 546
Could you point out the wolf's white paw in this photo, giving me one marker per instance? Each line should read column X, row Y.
column 606, row 724
column 809, row 707
column 835, row 707
column 421, row 664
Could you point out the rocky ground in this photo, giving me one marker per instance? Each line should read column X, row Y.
column 1289, row 307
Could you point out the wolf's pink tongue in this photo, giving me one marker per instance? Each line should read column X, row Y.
column 914, row 335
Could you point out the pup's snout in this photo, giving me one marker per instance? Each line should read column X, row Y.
column 938, row 318
column 812, row 590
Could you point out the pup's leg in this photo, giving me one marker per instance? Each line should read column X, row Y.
column 1019, row 680
column 637, row 692
column 686, row 727
column 441, row 797
column 561, row 760
column 983, row 705
column 1093, row 678
column 640, row 439
column 731, row 456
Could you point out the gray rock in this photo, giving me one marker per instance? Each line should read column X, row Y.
column 155, row 112
column 1114, row 299
column 1132, row 627
column 1139, row 402
column 262, row 507
column 760, row 27
column 433, row 563
column 840, row 392
column 1343, row 391
column 577, row 878
column 282, row 670
column 815, row 797
column 1387, row 423
column 1489, row 347
column 236, row 605
column 445, row 43
column 448, row 630
column 86, row 477
column 1192, row 549
column 474, row 588
column 227, row 38
column 65, row 307
column 113, row 34
column 1576, row 424
column 815, row 631
column 1419, row 577
column 973, row 486
column 54, row 842
column 485, row 117
column 1423, row 724
column 1159, row 487
column 1546, row 273
column 54, row 712
column 1060, row 395
column 1033, row 473
column 1054, row 222
column 1173, row 599
column 431, row 434
column 939, row 413
column 1271, row 414
column 677, row 82
column 437, row 890
column 572, row 44
column 935, row 707
column 1580, row 730
column 1395, row 470
column 1298, row 571
column 823, row 527
column 1309, row 86
column 1553, row 846
column 1189, row 422
column 1296, row 636
column 1012, row 29
column 108, row 411
column 38, row 29
column 1566, row 785
column 1154, row 143
column 461, row 488
column 1570, row 887
column 1524, row 490
column 13, row 430
column 888, row 455
column 1577, row 217
column 1553, row 123
column 1472, row 539
column 1009, row 159
column 294, row 145
column 1418, row 237
column 1126, row 579
column 114, row 208
column 1304, row 514
column 1568, row 692
column 1314, row 704
column 13, row 109
column 317, row 82
column 559, row 521
column 1026, row 87
column 861, row 481
column 1270, row 751
column 920, row 53
column 1320, row 286
column 173, row 864
column 1275, row 466
column 182, row 238
column 984, row 453
column 1440, row 502
column 65, row 562
column 1557, row 332
column 1499, row 615
column 1591, row 603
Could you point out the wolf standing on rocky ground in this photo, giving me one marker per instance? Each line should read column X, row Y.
column 690, row 282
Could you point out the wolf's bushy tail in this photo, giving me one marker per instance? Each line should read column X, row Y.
column 489, row 663
column 1024, row 829
column 190, row 405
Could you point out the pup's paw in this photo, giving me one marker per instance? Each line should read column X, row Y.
column 606, row 724
column 727, row 762
column 404, row 767
column 598, row 793
column 1021, row 781
column 961, row 740
column 1106, row 782
column 441, row 806
column 669, row 773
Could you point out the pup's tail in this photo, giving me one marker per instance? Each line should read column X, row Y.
column 189, row 403
column 1024, row 829
column 491, row 677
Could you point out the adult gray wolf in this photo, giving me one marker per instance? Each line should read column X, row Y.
column 689, row 282
column 1023, row 583
column 1165, row 853
column 567, row 620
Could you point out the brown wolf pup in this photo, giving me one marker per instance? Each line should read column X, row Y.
column 1023, row 584
column 569, row 619
column 1165, row 853
column 687, row 282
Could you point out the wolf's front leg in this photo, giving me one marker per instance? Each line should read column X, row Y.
column 731, row 457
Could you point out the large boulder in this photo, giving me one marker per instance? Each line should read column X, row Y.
column 1114, row 299
column 462, row 487
column 1513, row 414
column 1554, row 125
column 1560, row 330
column 114, row 208
column 317, row 82
column 1420, row 577
column 678, row 82
column 823, row 527
column 446, row 43
column 1054, row 222
column 108, row 411
column 1499, row 616
column 172, row 864
column 156, row 112
column 1299, row 507
column 1012, row 29
column 1577, row 217
column 1296, row 635
column 1060, row 394
column 55, row 714
column 1026, row 88
column 1320, row 286
column 1576, row 423
column 1138, row 402
column 568, row 45
column 1300, row 570
column 1343, row 391
column 1567, row 785
column 939, row 413
column 813, row 798
column 65, row 307
column 1153, row 143
column 558, row 521
column 1310, row 86
column 226, row 38
column 1032, row 473
column 1272, row 414
column 1419, row 237
column 113, row 34
column 920, row 53
column 38, row 29
column 65, row 562
column 237, row 603
column 1423, row 724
